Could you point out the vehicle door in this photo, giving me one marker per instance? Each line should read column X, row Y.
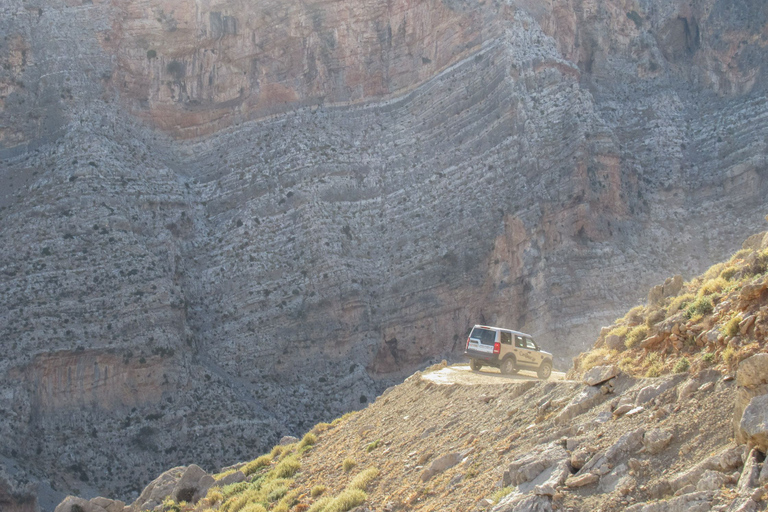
column 524, row 353
column 505, row 339
column 533, row 352
column 481, row 340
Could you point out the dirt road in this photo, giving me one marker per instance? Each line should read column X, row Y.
column 461, row 374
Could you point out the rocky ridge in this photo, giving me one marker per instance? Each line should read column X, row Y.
column 609, row 442
column 191, row 194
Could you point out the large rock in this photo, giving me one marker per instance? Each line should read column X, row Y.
column 189, row 484
column 650, row 392
column 753, row 427
column 533, row 464
column 600, row 374
column 524, row 503
column 691, row 502
column 75, row 504
column 711, row 481
column 589, row 397
column 725, row 461
column 440, row 465
column 751, row 382
column 159, row 489
column 656, row 440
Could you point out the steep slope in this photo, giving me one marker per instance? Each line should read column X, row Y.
column 214, row 213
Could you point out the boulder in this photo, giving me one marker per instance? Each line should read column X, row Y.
column 600, row 374
column 159, row 489
column 711, row 481
column 673, row 285
column 441, row 464
column 232, row 478
column 725, row 461
column 533, row 464
column 751, row 382
column 752, row 291
column 687, row 389
column 763, row 478
column 581, row 403
column 614, row 342
column 656, row 440
column 648, row 393
column 75, row 504
column 622, row 410
column 582, row 480
column 750, row 475
column 655, row 295
column 108, row 505
column 693, row 502
column 516, row 502
column 755, row 242
column 286, row 440
column 187, row 486
column 745, row 324
column 617, row 453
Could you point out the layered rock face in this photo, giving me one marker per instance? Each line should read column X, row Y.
column 223, row 221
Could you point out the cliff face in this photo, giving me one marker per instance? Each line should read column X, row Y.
column 257, row 214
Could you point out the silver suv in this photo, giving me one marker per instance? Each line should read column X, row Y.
column 507, row 350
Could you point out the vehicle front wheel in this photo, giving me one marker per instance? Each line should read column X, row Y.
column 508, row 367
column 475, row 365
column 545, row 370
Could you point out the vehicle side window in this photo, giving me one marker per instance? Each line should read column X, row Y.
column 519, row 342
column 506, row 338
column 529, row 344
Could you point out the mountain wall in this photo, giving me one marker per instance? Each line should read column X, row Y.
column 237, row 218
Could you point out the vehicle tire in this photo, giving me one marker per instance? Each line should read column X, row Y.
column 475, row 365
column 545, row 370
column 508, row 366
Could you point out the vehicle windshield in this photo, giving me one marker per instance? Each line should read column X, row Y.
column 484, row 336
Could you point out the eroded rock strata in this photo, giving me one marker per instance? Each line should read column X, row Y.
column 230, row 220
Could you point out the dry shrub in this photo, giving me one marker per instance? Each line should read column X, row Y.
column 636, row 335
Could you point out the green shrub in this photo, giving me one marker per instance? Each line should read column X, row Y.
column 232, row 489
column 699, row 307
column 653, row 364
column 253, row 507
column 256, row 464
column 277, row 493
column 682, row 366
column 319, row 505
column 363, row 479
column 620, row 331
column 287, row 467
column 731, row 328
column 712, row 286
column 372, row 446
column 309, row 439
column 348, row 464
column 346, row 500
column 679, row 302
column 728, row 273
column 498, row 495
column 636, row 335
column 708, row 357
column 151, row 54
column 317, row 491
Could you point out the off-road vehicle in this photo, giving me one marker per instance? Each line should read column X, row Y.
column 507, row 350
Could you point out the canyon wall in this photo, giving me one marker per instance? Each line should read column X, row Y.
column 229, row 220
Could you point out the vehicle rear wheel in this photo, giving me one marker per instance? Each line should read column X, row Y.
column 475, row 365
column 508, row 366
column 545, row 370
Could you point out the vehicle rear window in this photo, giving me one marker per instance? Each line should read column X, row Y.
column 484, row 336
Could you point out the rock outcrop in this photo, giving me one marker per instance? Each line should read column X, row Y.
column 226, row 209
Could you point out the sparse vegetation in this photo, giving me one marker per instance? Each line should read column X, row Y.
column 317, row 491
column 682, row 365
column 636, row 335
column 698, row 325
column 348, row 464
column 287, row 467
column 363, row 479
column 372, row 445
column 346, row 500
column 256, row 464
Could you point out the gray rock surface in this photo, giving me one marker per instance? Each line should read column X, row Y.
column 600, row 374
column 753, row 427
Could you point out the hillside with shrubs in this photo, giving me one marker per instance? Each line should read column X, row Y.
column 712, row 321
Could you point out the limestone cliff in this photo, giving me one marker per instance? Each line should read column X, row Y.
column 240, row 218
